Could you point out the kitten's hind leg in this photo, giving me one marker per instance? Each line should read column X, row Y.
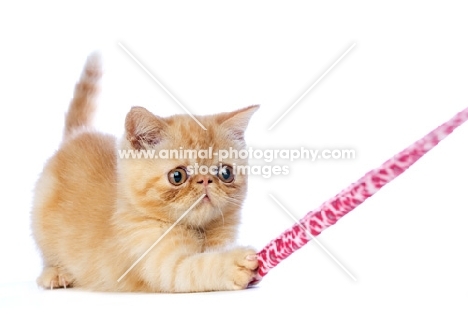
column 54, row 277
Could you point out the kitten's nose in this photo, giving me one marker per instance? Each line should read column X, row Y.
column 205, row 179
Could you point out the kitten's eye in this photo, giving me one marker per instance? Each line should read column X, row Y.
column 226, row 174
column 177, row 176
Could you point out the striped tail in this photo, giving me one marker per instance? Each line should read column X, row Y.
column 83, row 105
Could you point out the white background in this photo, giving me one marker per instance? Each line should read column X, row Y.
column 408, row 72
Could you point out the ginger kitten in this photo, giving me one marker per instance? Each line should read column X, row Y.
column 94, row 213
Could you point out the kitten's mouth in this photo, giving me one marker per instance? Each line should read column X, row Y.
column 206, row 198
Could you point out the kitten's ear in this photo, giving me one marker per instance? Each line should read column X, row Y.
column 236, row 122
column 143, row 129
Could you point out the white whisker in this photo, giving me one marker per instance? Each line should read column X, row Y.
column 221, row 212
column 236, row 202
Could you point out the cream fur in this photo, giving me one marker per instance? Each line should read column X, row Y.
column 95, row 214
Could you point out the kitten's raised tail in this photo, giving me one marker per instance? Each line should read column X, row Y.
column 83, row 105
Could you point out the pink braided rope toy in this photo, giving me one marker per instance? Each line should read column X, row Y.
column 332, row 210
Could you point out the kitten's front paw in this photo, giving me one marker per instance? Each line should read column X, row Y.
column 243, row 268
column 53, row 277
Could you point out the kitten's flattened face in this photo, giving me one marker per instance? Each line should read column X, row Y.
column 167, row 187
column 179, row 182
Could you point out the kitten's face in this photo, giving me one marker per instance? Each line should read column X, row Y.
column 166, row 187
